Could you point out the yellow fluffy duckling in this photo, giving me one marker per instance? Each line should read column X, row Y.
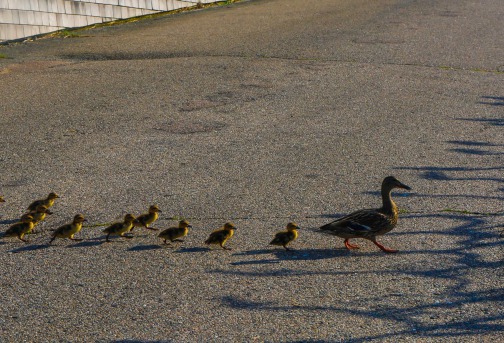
column 120, row 228
column 48, row 202
column 21, row 228
column 175, row 233
column 285, row 237
column 144, row 220
column 221, row 235
column 69, row 230
column 38, row 214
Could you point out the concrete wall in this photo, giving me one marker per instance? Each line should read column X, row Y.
column 24, row 18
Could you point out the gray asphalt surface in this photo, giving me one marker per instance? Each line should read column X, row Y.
column 260, row 113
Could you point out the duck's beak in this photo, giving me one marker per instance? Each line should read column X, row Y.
column 403, row 186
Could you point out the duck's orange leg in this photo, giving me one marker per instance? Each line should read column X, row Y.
column 350, row 246
column 388, row 250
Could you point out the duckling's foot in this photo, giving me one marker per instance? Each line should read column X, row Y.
column 226, row 248
column 350, row 246
column 24, row 240
column 288, row 249
column 128, row 236
column 151, row 228
column 77, row 239
column 387, row 250
column 178, row 240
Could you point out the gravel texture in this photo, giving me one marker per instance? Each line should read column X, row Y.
column 260, row 113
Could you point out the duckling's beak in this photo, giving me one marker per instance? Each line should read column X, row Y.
column 189, row 226
column 403, row 186
column 48, row 212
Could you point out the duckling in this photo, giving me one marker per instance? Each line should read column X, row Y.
column 69, row 230
column 144, row 220
column 21, row 228
column 174, row 233
column 285, row 237
column 221, row 235
column 1, row 200
column 38, row 214
column 120, row 228
column 369, row 223
column 48, row 202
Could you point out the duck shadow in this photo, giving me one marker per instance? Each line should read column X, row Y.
column 290, row 255
column 31, row 247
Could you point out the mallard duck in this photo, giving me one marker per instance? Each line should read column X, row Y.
column 144, row 220
column 69, row 230
column 285, row 237
column 20, row 229
column 120, row 228
column 221, row 235
column 48, row 202
column 369, row 223
column 174, row 233
column 38, row 214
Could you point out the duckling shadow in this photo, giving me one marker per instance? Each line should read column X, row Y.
column 30, row 248
column 290, row 255
column 85, row 244
column 145, row 247
column 8, row 221
column 192, row 250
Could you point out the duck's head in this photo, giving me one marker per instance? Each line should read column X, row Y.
column 391, row 182
column 79, row 218
column 154, row 209
column 52, row 196
column 292, row 226
column 184, row 223
column 229, row 226
column 129, row 217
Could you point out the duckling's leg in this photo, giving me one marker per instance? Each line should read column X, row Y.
column 383, row 248
column 224, row 247
column 286, row 248
column 151, row 228
column 52, row 239
column 107, row 238
column 178, row 240
column 350, row 246
column 21, row 238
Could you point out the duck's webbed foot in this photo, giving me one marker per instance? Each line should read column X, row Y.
column 350, row 246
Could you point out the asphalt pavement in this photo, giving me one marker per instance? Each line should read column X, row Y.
column 259, row 112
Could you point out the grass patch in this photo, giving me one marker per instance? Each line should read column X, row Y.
column 67, row 34
column 3, row 56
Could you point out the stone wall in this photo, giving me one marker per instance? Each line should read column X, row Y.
column 24, row 18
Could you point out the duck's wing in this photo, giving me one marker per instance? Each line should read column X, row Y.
column 113, row 228
column 358, row 223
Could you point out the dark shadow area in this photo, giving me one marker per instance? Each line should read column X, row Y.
column 281, row 254
column 137, row 341
column 30, row 247
column 492, row 100
column 87, row 243
column 8, row 221
column 192, row 250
